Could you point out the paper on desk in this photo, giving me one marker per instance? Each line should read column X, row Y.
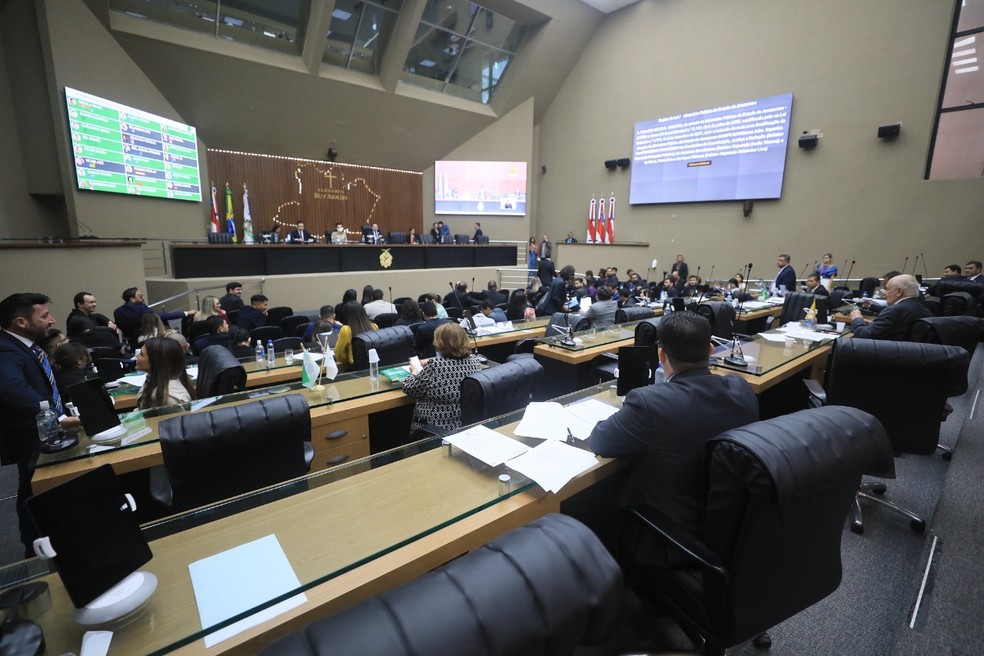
column 136, row 380
column 590, row 411
column 552, row 421
column 812, row 335
column 552, row 464
column 754, row 305
column 192, row 370
column 774, row 336
column 241, row 578
column 490, row 447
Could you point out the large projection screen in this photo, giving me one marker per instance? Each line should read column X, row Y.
column 480, row 188
column 733, row 152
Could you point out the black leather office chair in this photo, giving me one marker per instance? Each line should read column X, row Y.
column 393, row 345
column 426, row 238
column 232, row 316
column 636, row 313
column 462, row 239
column 219, row 238
column 582, row 324
column 277, row 314
column 264, row 333
column 293, row 343
column 836, row 299
column 302, row 329
column 289, row 324
column 946, row 286
column 770, row 539
column 498, row 390
column 867, row 286
column 560, row 323
column 219, row 372
column 386, row 319
column 399, row 302
column 647, row 332
column 538, row 590
column 796, row 305
column 721, row 316
column 103, row 352
column 397, row 237
column 109, row 369
column 959, row 304
column 482, row 240
column 210, row 456
column 905, row 385
column 196, row 329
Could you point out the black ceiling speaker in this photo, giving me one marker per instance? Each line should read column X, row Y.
column 889, row 131
column 610, row 164
column 623, row 163
column 808, row 141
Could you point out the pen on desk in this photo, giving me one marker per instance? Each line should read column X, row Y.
column 570, row 436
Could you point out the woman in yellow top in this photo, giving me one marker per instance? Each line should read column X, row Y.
column 356, row 323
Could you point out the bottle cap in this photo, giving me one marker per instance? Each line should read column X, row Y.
column 43, row 405
column 373, row 356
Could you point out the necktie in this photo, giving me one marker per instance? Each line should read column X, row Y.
column 46, row 365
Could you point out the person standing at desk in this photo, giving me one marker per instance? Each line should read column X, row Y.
column 785, row 280
column 680, row 267
column 26, row 379
column 895, row 321
column 546, row 248
column 827, row 270
column 555, row 300
column 299, row 235
column 478, row 232
column 662, row 429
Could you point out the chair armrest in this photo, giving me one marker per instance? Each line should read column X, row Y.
column 816, row 391
column 678, row 538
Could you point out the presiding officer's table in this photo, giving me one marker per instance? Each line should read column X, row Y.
column 231, row 261
column 348, row 533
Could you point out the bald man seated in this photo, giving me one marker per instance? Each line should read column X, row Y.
column 895, row 321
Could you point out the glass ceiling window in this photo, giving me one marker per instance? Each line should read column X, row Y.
column 270, row 24
column 462, row 48
column 359, row 32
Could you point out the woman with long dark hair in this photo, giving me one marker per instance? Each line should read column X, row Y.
column 357, row 323
column 518, row 304
column 409, row 313
column 167, row 381
column 349, row 295
column 367, row 294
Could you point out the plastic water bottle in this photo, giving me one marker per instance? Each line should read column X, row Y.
column 47, row 423
column 373, row 365
column 260, row 353
column 271, row 354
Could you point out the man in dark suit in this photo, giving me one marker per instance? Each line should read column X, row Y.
column 254, row 316
column 478, row 232
column 785, row 278
column 218, row 335
column 545, row 271
column 26, row 379
column 85, row 308
column 894, row 321
column 371, row 234
column 680, row 267
column 461, row 297
column 233, row 300
column 299, row 235
column 972, row 271
column 423, row 338
column 813, row 285
column 662, row 428
column 493, row 295
column 129, row 315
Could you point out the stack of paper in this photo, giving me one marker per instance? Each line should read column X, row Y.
column 552, row 421
column 488, row 446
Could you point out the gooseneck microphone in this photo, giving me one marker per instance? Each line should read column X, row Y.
column 914, row 265
column 925, row 270
column 906, row 263
column 848, row 277
column 736, row 358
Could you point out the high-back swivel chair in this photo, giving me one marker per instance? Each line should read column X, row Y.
column 393, row 345
column 498, row 390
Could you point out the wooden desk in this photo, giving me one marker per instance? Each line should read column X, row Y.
column 347, row 538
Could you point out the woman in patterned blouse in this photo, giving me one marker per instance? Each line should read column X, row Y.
column 437, row 386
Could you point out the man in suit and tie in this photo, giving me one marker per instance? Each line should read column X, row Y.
column 299, row 235
column 26, row 379
column 972, row 271
column 493, row 295
column 372, row 235
column 813, row 285
column 894, row 321
column 680, row 267
column 785, row 280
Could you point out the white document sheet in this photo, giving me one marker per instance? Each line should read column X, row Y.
column 136, row 380
column 552, row 421
column 490, row 447
column 553, row 464
column 590, row 412
column 241, row 578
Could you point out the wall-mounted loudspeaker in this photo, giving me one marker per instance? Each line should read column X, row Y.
column 623, row 163
column 808, row 141
column 543, row 168
column 747, row 207
column 610, row 164
column 889, row 131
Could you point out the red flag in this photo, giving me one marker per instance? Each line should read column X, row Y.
column 602, row 228
column 591, row 220
column 214, row 226
column 610, row 237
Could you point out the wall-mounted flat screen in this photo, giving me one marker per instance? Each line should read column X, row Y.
column 124, row 150
column 480, row 188
column 734, row 152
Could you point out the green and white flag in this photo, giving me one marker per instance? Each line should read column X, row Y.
column 309, row 370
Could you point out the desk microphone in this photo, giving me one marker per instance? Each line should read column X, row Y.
column 568, row 332
column 391, row 296
column 847, row 278
column 925, row 270
column 805, row 266
column 906, row 263
column 914, row 265
column 698, row 273
column 736, row 358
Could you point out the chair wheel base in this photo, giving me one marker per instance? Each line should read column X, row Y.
column 917, row 525
column 857, row 527
column 763, row 641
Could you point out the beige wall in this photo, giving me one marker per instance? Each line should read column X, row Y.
column 508, row 139
column 68, row 29
column 851, row 67
column 62, row 271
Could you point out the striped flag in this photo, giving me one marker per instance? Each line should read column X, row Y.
column 591, row 221
column 247, row 218
column 602, row 228
column 214, row 225
column 610, row 237
column 230, row 215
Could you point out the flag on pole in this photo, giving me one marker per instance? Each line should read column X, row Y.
column 230, row 215
column 247, row 218
column 331, row 367
column 591, row 221
column 611, row 219
column 309, row 370
column 214, row 225
column 602, row 228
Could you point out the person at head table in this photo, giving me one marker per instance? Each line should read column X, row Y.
column 163, row 360
column 339, row 235
column 299, row 235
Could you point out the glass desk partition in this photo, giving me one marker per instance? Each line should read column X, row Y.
column 141, row 424
column 764, row 356
column 587, row 339
column 328, row 524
